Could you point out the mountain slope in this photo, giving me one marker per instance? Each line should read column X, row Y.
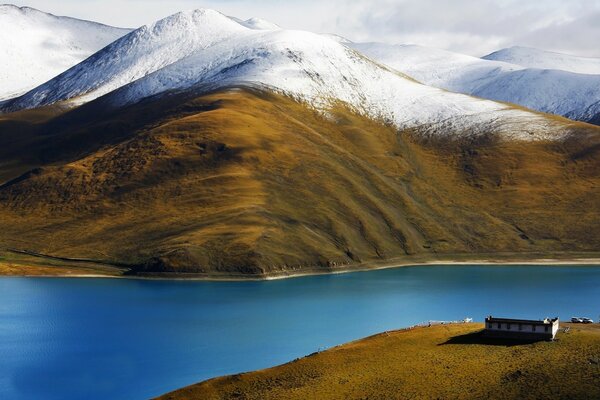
column 556, row 92
column 592, row 113
column 36, row 46
column 252, row 183
column 199, row 145
column 528, row 57
column 257, row 23
column 203, row 49
column 553, row 91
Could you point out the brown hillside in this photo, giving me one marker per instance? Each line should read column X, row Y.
column 439, row 362
column 250, row 182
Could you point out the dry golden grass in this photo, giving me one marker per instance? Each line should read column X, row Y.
column 12, row 264
column 252, row 183
column 12, row 269
column 440, row 362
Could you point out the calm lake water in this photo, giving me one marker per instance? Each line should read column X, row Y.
column 133, row 339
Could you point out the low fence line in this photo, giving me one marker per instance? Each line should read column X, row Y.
column 408, row 328
column 433, row 323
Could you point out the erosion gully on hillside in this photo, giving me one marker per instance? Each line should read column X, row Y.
column 247, row 182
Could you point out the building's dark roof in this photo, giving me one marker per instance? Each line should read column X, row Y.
column 520, row 321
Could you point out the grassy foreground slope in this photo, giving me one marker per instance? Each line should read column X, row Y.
column 244, row 182
column 440, row 362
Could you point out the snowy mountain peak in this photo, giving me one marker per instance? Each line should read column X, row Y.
column 555, row 91
column 30, row 12
column 11, row 8
column 337, row 38
column 257, row 23
column 194, row 22
column 436, row 67
column 36, row 46
column 529, row 57
column 137, row 54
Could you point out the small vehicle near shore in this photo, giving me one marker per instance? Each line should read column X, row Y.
column 582, row 320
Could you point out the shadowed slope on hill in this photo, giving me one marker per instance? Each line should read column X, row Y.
column 249, row 182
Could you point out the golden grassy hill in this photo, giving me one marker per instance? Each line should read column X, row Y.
column 244, row 182
column 440, row 362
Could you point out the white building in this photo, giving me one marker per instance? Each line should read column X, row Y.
column 525, row 329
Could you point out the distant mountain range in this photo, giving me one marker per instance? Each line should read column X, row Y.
column 528, row 57
column 203, row 48
column 207, row 144
column 540, row 80
column 543, row 81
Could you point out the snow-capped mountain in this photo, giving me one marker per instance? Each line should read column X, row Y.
column 203, row 49
column 554, row 91
column 254, row 150
column 436, row 67
column 592, row 113
column 36, row 46
column 257, row 23
column 528, row 57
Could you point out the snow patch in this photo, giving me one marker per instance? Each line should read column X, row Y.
column 36, row 46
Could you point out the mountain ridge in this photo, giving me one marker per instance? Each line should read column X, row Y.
column 565, row 93
column 529, row 57
column 204, row 50
column 38, row 46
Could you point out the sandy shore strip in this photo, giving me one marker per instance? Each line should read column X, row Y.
column 365, row 267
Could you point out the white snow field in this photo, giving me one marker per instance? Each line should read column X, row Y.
column 564, row 92
column 529, row 57
column 36, row 46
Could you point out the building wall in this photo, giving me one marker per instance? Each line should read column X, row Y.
column 512, row 329
column 515, row 327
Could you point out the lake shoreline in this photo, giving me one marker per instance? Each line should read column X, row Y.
column 364, row 267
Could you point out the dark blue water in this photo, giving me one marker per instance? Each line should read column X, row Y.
column 133, row 339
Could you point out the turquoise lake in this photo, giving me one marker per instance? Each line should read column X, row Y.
column 134, row 339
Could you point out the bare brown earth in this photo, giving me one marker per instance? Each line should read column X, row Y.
column 439, row 362
column 249, row 183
